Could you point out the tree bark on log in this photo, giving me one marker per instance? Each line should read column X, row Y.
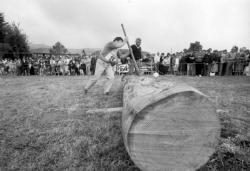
column 167, row 125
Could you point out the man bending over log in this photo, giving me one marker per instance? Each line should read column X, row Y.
column 105, row 62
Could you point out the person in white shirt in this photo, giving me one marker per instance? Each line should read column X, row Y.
column 247, row 70
column 157, row 61
column 52, row 66
column 104, row 64
column 176, row 63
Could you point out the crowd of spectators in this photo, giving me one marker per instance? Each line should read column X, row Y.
column 191, row 63
column 48, row 64
column 204, row 62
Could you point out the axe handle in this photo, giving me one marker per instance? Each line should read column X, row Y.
column 137, row 70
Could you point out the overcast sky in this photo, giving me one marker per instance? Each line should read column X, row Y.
column 162, row 24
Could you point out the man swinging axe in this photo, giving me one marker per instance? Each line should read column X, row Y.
column 105, row 62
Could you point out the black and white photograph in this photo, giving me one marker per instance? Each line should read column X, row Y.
column 124, row 85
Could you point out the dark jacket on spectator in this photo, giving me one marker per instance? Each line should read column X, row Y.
column 136, row 52
column 207, row 59
column 190, row 59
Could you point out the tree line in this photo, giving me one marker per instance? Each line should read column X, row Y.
column 14, row 42
column 12, row 39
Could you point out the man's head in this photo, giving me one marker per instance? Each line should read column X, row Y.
column 138, row 42
column 207, row 51
column 118, row 41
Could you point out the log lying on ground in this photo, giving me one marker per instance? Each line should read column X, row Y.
column 167, row 126
column 104, row 110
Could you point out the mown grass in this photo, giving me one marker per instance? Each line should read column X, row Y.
column 44, row 125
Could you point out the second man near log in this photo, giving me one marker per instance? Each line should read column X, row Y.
column 136, row 49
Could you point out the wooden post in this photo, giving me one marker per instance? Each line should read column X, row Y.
column 168, row 126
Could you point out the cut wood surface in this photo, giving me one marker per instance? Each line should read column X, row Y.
column 168, row 125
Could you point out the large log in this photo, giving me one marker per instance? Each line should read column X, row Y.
column 168, row 126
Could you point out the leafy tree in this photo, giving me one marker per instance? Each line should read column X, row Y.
column 196, row 46
column 2, row 25
column 16, row 39
column 57, row 49
column 12, row 40
column 3, row 46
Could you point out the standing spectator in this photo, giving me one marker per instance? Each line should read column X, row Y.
column 25, row 66
column 52, row 66
column 87, row 62
column 183, row 64
column 164, row 64
column 231, row 60
column 30, row 65
column 70, row 67
column 92, row 65
column 172, row 63
column 7, row 67
column 157, row 61
column 18, row 67
column 137, row 52
column 215, row 65
column 57, row 67
column 239, row 63
column 1, row 67
column 198, row 62
column 77, row 67
column 36, row 67
column 177, row 63
column 161, row 69
column 32, row 69
column 207, row 61
column 62, row 65
column 190, row 59
column 247, row 70
column 83, row 66
column 222, row 64
column 42, row 67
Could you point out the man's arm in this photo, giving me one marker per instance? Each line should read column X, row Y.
column 125, row 55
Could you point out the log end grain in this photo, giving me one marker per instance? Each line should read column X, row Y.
column 178, row 132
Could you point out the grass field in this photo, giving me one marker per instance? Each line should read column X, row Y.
column 44, row 125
